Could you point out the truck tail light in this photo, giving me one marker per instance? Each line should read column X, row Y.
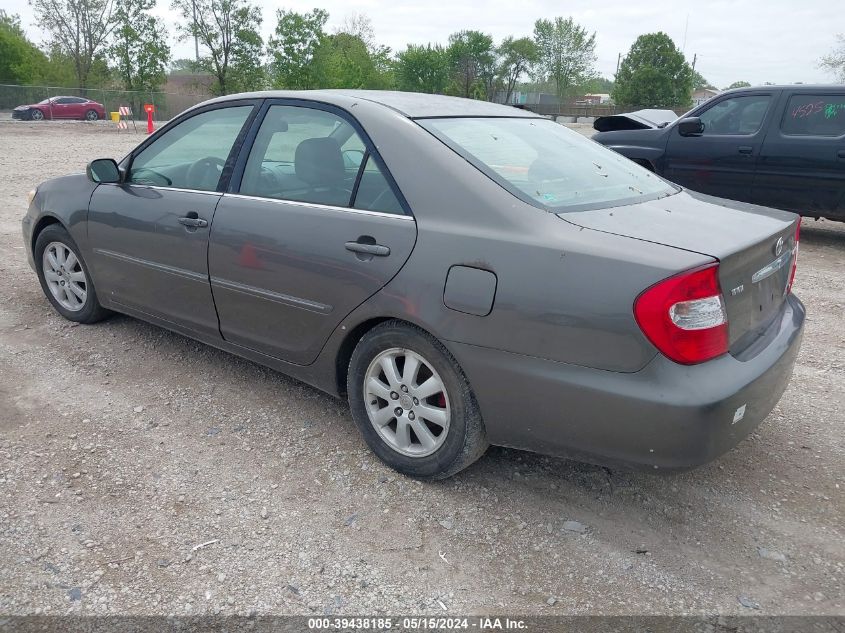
column 794, row 256
column 684, row 316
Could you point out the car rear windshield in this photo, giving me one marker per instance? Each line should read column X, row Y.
column 547, row 164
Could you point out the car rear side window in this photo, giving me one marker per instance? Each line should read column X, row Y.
column 374, row 192
column 814, row 115
column 548, row 165
column 736, row 115
column 311, row 155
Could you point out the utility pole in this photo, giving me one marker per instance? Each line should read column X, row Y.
column 196, row 41
column 618, row 61
column 694, row 59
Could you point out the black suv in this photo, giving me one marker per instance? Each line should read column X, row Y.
column 779, row 146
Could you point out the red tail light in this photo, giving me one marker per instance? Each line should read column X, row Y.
column 794, row 257
column 684, row 316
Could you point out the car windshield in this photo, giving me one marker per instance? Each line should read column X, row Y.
column 44, row 101
column 548, row 165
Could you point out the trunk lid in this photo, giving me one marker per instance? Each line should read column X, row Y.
column 754, row 246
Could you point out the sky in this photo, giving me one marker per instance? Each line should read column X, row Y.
column 780, row 41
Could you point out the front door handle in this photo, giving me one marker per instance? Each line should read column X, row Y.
column 193, row 220
column 746, row 149
column 840, row 153
column 368, row 249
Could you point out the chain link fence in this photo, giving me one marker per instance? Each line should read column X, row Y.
column 167, row 104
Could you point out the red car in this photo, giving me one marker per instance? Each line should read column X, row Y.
column 61, row 108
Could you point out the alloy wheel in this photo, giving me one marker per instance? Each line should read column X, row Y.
column 407, row 402
column 64, row 276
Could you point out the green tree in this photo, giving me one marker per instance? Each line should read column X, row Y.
column 654, row 74
column 78, row 29
column 699, row 82
column 61, row 71
column 516, row 58
column 567, row 53
column 835, row 61
column 739, row 84
column 343, row 61
column 293, row 45
column 360, row 26
column 229, row 31
column 597, row 85
column 20, row 60
column 139, row 48
column 422, row 69
column 183, row 66
column 472, row 60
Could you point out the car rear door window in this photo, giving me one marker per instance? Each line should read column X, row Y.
column 735, row 115
column 814, row 115
column 311, row 155
column 192, row 154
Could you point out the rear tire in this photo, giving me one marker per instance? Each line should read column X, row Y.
column 65, row 278
column 91, row 115
column 421, row 420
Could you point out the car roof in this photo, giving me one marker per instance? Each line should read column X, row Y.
column 410, row 104
column 794, row 87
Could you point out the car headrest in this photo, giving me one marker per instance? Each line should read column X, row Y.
column 318, row 162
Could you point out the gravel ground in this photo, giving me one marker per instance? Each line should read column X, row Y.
column 144, row 473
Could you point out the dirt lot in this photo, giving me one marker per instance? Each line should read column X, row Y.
column 141, row 472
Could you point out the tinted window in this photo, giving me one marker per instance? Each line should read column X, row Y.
column 817, row 115
column 548, row 165
column 737, row 115
column 374, row 191
column 64, row 100
column 192, row 154
column 309, row 155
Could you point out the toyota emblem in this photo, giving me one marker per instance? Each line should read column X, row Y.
column 779, row 247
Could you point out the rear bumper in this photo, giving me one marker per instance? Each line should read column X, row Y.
column 665, row 416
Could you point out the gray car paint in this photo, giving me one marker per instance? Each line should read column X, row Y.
column 275, row 262
column 560, row 340
column 141, row 257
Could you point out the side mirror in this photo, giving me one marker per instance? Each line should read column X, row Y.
column 103, row 170
column 690, row 126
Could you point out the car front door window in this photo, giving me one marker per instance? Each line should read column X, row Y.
column 192, row 154
column 735, row 116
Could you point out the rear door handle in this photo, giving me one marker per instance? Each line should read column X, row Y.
column 368, row 249
column 746, row 149
column 193, row 220
column 840, row 153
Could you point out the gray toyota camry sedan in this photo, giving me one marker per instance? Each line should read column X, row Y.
column 464, row 273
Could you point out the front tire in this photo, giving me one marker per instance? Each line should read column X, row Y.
column 36, row 115
column 413, row 404
column 64, row 277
